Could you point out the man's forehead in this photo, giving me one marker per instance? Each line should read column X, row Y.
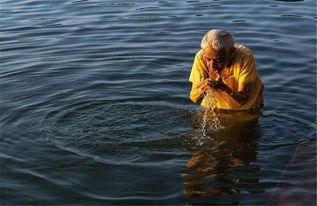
column 211, row 52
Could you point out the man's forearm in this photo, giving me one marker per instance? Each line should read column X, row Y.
column 239, row 97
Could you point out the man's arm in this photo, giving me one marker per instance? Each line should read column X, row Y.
column 246, row 79
column 241, row 97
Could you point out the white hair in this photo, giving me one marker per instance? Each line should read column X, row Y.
column 218, row 40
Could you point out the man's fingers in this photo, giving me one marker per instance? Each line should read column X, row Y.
column 207, row 81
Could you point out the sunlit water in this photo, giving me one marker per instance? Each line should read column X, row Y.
column 95, row 107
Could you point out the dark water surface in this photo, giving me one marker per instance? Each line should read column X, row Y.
column 95, row 108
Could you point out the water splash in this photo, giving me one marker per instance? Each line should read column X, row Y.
column 211, row 119
column 210, row 111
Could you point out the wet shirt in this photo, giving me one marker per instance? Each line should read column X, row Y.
column 240, row 73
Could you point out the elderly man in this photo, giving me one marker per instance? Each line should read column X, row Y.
column 224, row 73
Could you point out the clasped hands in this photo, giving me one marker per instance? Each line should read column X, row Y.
column 213, row 84
column 241, row 97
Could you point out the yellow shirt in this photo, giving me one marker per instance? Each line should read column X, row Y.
column 242, row 71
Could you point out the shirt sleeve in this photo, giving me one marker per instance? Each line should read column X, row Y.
column 248, row 71
column 196, row 74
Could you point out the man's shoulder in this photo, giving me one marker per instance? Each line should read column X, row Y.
column 199, row 53
column 244, row 59
column 243, row 52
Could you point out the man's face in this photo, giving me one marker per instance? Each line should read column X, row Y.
column 216, row 60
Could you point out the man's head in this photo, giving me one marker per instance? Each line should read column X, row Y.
column 218, row 47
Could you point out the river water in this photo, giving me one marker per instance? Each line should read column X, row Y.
column 95, row 107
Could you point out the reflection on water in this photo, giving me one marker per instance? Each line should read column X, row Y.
column 222, row 166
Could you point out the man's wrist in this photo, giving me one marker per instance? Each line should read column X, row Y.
column 230, row 91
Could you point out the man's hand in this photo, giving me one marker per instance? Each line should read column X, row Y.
column 219, row 84
column 215, row 84
column 205, row 85
column 199, row 90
